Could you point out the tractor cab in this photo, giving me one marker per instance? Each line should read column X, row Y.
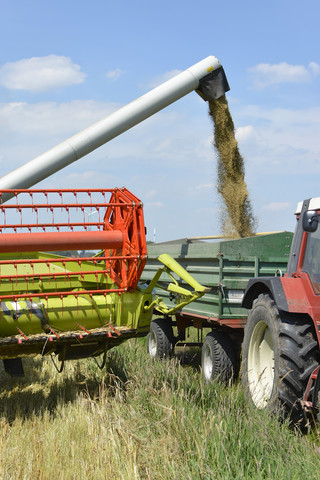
column 307, row 242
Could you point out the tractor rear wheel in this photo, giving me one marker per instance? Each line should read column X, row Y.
column 160, row 338
column 279, row 353
column 217, row 357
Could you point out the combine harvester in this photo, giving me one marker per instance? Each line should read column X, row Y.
column 76, row 307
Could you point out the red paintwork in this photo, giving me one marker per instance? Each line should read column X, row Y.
column 201, row 321
column 299, row 293
column 301, row 296
column 311, row 381
column 125, row 214
column 55, row 220
column 53, row 241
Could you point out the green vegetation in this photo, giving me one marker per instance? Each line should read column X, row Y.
column 139, row 419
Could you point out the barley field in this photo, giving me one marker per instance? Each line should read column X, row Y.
column 139, row 419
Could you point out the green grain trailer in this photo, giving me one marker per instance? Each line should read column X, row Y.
column 224, row 267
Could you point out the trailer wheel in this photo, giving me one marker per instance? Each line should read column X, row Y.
column 217, row 357
column 160, row 339
column 278, row 356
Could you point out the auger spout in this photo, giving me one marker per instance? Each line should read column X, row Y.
column 206, row 77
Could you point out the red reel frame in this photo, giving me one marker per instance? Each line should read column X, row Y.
column 119, row 228
column 125, row 214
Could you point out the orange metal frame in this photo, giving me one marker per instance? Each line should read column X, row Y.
column 55, row 220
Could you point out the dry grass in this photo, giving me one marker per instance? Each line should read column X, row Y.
column 140, row 419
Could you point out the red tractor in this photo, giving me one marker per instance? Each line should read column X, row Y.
column 281, row 353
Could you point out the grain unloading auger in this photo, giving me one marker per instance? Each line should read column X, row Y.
column 76, row 307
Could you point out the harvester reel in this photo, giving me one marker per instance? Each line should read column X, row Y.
column 125, row 214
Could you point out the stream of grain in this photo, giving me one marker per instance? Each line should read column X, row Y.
column 237, row 217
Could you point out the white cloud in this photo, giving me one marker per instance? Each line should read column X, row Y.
column 50, row 118
column 163, row 78
column 314, row 68
column 114, row 74
column 244, row 133
column 279, row 139
column 40, row 73
column 150, row 193
column 248, row 133
column 203, row 186
column 266, row 74
column 82, row 179
column 277, row 207
column 166, row 139
column 153, row 204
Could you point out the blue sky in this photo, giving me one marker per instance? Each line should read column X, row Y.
column 65, row 65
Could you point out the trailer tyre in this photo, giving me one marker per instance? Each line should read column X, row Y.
column 160, row 339
column 279, row 354
column 218, row 357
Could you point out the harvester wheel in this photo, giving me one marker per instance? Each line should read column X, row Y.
column 278, row 355
column 160, row 338
column 217, row 357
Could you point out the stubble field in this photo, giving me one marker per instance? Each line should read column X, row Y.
column 139, row 419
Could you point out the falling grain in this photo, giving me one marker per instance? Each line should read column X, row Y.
column 237, row 219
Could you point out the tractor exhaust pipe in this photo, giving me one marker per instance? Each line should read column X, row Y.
column 206, row 77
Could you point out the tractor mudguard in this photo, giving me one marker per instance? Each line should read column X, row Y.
column 272, row 285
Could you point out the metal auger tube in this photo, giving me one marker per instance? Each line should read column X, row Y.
column 206, row 77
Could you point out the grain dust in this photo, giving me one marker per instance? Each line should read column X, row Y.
column 237, row 217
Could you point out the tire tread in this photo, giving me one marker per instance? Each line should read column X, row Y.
column 298, row 352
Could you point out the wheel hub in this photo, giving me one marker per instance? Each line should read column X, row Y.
column 152, row 344
column 261, row 365
column 207, row 363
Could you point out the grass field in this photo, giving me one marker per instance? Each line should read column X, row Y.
column 138, row 419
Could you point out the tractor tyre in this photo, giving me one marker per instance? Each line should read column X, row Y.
column 279, row 353
column 160, row 339
column 217, row 357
